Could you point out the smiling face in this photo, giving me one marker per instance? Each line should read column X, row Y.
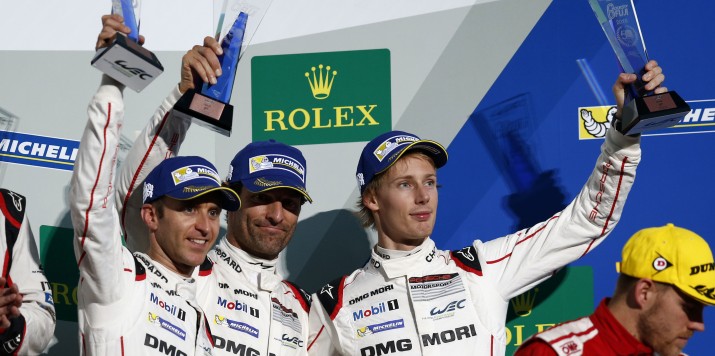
column 265, row 223
column 670, row 321
column 405, row 203
column 183, row 231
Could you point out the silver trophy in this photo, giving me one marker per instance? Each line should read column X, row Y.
column 125, row 60
column 235, row 22
column 643, row 110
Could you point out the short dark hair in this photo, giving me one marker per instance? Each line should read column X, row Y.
column 235, row 186
column 159, row 207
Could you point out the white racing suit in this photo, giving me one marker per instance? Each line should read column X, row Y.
column 251, row 307
column 251, row 310
column 29, row 333
column 434, row 302
column 128, row 304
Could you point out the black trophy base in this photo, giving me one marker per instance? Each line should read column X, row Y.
column 657, row 111
column 128, row 63
column 205, row 111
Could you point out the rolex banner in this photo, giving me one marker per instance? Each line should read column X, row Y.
column 57, row 256
column 321, row 97
column 566, row 296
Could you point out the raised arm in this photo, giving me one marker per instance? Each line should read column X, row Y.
column 97, row 241
column 160, row 139
column 521, row 260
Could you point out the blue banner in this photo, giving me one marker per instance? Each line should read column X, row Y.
column 41, row 151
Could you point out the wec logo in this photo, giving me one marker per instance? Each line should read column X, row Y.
column 132, row 71
column 452, row 306
column 292, row 340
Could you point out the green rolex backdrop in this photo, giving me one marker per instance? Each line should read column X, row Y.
column 566, row 296
column 324, row 97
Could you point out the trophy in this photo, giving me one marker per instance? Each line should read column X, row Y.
column 644, row 110
column 125, row 60
column 209, row 106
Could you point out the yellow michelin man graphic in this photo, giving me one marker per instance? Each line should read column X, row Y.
column 596, row 120
column 362, row 332
column 220, row 320
column 259, row 163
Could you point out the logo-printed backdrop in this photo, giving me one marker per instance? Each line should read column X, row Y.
column 321, row 97
column 464, row 76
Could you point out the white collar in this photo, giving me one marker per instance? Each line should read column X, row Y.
column 261, row 272
column 402, row 263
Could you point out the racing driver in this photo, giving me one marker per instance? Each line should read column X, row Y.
column 251, row 309
column 415, row 299
column 141, row 304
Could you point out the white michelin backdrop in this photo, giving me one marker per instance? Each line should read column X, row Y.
column 444, row 57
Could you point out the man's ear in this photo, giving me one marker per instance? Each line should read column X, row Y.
column 645, row 293
column 148, row 213
column 369, row 200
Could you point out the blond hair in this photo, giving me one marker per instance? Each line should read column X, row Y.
column 365, row 215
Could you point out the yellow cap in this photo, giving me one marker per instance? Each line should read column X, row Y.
column 672, row 255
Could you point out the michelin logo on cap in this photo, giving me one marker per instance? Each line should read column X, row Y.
column 185, row 174
column 259, row 163
column 275, row 161
column 391, row 144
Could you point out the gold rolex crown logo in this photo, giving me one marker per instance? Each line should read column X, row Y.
column 321, row 83
column 524, row 303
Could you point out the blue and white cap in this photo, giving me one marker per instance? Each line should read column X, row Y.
column 384, row 150
column 266, row 165
column 185, row 178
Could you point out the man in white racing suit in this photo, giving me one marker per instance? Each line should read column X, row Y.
column 414, row 299
column 27, row 313
column 141, row 304
column 251, row 309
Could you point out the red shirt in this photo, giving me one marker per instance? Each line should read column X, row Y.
column 598, row 334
